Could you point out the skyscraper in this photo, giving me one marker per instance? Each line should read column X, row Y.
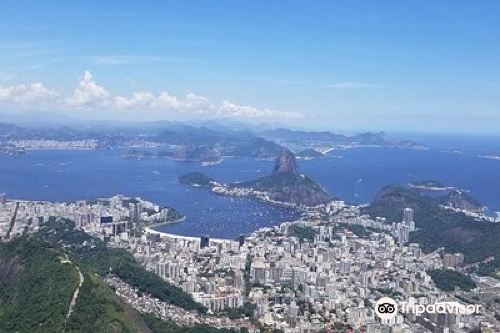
column 241, row 239
column 408, row 216
column 408, row 219
column 135, row 210
column 204, row 241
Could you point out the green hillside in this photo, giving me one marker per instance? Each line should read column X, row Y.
column 98, row 309
column 35, row 288
column 39, row 275
column 37, row 283
column 448, row 280
column 93, row 254
column 438, row 227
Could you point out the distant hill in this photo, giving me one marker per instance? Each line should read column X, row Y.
column 294, row 135
column 188, row 135
column 438, row 227
column 205, row 142
column 197, row 153
column 309, row 153
column 362, row 139
column 258, row 148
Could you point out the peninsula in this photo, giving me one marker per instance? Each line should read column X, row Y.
column 284, row 186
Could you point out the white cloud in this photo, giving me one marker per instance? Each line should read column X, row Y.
column 194, row 102
column 354, row 85
column 234, row 110
column 138, row 99
column 167, row 101
column 22, row 94
column 90, row 95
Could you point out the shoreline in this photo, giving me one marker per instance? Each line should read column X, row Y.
column 163, row 234
column 154, row 225
column 212, row 163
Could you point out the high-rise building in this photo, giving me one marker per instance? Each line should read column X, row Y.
column 412, row 226
column 106, row 219
column 135, row 210
column 403, row 232
column 408, row 216
column 453, row 259
column 241, row 239
column 204, row 241
column 3, row 198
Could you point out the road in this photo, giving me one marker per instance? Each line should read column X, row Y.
column 77, row 291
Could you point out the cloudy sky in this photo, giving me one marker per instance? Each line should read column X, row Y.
column 389, row 65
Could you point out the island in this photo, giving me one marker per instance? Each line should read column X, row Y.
column 430, row 185
column 197, row 179
column 203, row 154
column 206, row 155
column 309, row 154
column 491, row 157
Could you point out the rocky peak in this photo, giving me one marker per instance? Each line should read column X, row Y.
column 286, row 163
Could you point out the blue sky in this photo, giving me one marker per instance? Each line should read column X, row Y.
column 389, row 65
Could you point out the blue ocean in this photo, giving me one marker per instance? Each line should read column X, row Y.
column 354, row 175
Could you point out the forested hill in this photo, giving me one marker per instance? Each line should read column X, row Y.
column 39, row 275
column 439, row 227
column 94, row 255
column 37, row 283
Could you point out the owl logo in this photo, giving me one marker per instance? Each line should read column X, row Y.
column 386, row 308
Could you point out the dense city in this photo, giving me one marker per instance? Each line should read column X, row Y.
column 324, row 272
